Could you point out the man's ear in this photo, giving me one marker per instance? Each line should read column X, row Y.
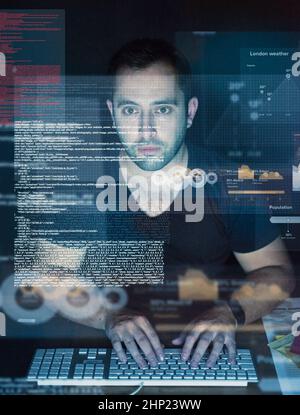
column 192, row 109
column 111, row 110
column 110, row 106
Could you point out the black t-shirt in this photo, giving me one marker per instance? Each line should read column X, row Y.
column 206, row 244
column 209, row 242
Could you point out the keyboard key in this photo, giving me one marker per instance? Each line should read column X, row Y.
column 243, row 351
column 116, row 372
column 172, row 350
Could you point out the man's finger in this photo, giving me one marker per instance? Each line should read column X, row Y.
column 231, row 347
column 117, row 345
column 201, row 347
column 216, row 350
column 178, row 341
column 134, row 351
column 143, row 342
column 152, row 336
column 191, row 339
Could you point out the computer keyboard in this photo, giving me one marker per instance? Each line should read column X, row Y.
column 101, row 366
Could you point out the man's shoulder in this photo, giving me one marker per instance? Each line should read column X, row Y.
column 204, row 158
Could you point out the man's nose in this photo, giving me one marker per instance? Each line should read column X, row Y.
column 147, row 128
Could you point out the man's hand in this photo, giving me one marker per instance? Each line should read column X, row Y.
column 216, row 326
column 137, row 334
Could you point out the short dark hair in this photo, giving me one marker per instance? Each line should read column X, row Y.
column 141, row 53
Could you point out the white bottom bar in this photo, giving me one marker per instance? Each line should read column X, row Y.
column 137, row 382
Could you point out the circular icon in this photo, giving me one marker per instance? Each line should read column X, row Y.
column 179, row 176
column 53, row 292
column 198, row 177
column 114, row 298
column 234, row 98
column 212, row 178
column 80, row 302
column 25, row 304
column 254, row 116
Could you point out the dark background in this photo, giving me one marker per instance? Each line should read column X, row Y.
column 95, row 29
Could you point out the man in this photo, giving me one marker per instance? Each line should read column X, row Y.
column 152, row 108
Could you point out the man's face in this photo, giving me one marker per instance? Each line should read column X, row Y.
column 150, row 114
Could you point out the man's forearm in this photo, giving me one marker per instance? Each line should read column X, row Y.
column 265, row 289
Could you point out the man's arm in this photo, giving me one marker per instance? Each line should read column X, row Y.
column 270, row 280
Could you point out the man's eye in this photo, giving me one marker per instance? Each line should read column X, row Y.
column 129, row 110
column 163, row 110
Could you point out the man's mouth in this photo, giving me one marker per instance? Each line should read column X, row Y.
column 149, row 150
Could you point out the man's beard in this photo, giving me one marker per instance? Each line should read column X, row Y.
column 151, row 161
